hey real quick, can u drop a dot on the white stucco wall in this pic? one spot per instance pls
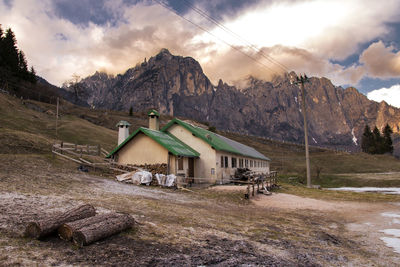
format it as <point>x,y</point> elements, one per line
<point>142,150</point>
<point>207,160</point>
<point>224,173</point>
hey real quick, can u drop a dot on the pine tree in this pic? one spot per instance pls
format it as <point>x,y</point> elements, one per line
<point>378,147</point>
<point>32,75</point>
<point>367,140</point>
<point>23,66</point>
<point>387,139</point>
<point>1,46</point>
<point>10,51</point>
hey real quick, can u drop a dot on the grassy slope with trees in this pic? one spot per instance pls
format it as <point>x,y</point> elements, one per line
<point>28,126</point>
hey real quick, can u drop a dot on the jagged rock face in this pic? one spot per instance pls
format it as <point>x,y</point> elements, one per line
<point>177,86</point>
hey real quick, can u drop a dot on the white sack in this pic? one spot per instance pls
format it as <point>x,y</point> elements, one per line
<point>142,177</point>
<point>170,181</point>
<point>160,179</point>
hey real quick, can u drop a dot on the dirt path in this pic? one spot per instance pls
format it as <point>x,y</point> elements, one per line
<point>374,224</point>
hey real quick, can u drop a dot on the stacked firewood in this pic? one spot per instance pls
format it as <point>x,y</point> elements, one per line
<point>155,168</point>
<point>81,225</point>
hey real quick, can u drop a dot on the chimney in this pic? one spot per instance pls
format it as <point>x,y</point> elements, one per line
<point>153,120</point>
<point>123,131</point>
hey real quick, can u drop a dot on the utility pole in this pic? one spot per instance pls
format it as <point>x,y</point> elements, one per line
<point>301,81</point>
<point>57,117</point>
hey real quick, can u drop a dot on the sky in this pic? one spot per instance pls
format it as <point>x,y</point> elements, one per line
<point>352,42</point>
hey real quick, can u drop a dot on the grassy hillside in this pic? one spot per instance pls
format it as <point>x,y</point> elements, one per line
<point>29,126</point>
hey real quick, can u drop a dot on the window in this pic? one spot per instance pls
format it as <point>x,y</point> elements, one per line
<point>180,163</point>
<point>226,162</point>
<point>212,171</point>
<point>234,163</point>
<point>240,163</point>
<point>246,162</point>
<point>251,164</point>
<point>222,161</point>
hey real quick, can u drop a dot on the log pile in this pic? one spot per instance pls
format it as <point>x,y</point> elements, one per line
<point>80,225</point>
<point>44,227</point>
<point>155,168</point>
<point>104,228</point>
<point>66,230</point>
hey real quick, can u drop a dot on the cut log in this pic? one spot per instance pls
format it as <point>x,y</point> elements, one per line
<point>41,228</point>
<point>67,229</point>
<point>103,229</point>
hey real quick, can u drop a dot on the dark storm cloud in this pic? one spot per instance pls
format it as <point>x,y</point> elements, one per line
<point>85,11</point>
<point>98,12</point>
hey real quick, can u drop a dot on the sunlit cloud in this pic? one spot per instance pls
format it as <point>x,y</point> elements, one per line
<point>381,61</point>
<point>389,95</point>
<point>306,36</point>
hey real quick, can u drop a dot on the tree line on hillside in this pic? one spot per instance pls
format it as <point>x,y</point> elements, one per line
<point>375,142</point>
<point>12,59</point>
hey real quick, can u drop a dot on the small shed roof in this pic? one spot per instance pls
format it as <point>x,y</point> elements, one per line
<point>170,142</point>
<point>123,123</point>
<point>217,141</point>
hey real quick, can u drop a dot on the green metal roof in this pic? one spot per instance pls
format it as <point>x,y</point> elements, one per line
<point>153,112</point>
<point>217,141</point>
<point>170,142</point>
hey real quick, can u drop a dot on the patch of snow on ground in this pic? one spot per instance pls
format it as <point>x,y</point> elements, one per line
<point>384,190</point>
<point>354,137</point>
<point>393,232</point>
<point>295,99</point>
<point>392,242</point>
<point>391,215</point>
<point>315,141</point>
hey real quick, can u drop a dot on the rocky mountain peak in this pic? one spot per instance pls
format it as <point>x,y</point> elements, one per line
<point>177,86</point>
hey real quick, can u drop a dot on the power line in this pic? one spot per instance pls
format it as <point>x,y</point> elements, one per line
<point>225,42</point>
<point>226,29</point>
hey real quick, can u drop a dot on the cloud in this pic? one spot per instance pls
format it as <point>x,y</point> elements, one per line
<point>330,29</point>
<point>233,66</point>
<point>59,48</point>
<point>304,35</point>
<point>389,95</point>
<point>381,61</point>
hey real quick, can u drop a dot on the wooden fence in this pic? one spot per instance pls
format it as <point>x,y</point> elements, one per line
<point>260,184</point>
<point>75,153</point>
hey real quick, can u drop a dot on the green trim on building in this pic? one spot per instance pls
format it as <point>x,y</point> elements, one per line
<point>218,142</point>
<point>168,141</point>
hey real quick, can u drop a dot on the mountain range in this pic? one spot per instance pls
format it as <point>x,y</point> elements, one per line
<point>177,86</point>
